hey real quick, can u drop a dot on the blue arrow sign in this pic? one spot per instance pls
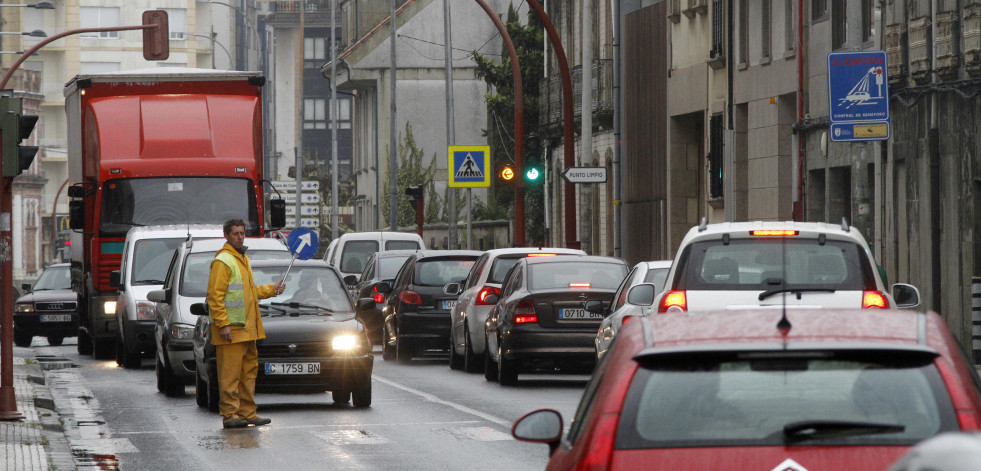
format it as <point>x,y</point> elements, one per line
<point>303,243</point>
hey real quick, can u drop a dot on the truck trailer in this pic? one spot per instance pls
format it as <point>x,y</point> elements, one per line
<point>152,147</point>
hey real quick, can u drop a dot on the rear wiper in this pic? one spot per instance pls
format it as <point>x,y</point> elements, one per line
<point>812,429</point>
<point>771,292</point>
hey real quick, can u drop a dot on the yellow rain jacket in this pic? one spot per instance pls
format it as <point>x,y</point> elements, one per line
<point>243,330</point>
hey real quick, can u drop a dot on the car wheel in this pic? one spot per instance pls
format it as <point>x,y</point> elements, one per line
<point>22,340</point>
<point>456,361</point>
<point>103,349</point>
<point>403,352</point>
<point>161,379</point>
<point>471,364</point>
<point>201,390</point>
<point>362,396</point>
<point>55,340</point>
<point>340,396</point>
<point>84,343</point>
<point>388,353</point>
<point>173,386</point>
<point>507,370</point>
<point>214,396</point>
<point>490,367</point>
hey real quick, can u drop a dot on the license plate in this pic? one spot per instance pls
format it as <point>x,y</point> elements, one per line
<point>449,304</point>
<point>56,318</point>
<point>293,368</point>
<point>578,314</point>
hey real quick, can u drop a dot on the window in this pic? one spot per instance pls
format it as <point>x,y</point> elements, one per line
<point>314,114</point>
<point>314,49</point>
<point>99,17</point>
<point>177,22</point>
<point>788,25</point>
<point>343,118</point>
<point>868,25</point>
<point>716,169</point>
<point>718,29</point>
<point>765,27</point>
<point>744,32</point>
<point>819,9</point>
<point>838,26</point>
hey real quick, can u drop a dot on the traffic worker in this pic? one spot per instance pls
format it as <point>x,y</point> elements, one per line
<point>233,300</point>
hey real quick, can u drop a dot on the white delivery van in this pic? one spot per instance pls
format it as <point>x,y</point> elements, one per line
<point>351,251</point>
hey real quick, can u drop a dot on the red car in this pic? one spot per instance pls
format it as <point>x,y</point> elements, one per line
<point>762,390</point>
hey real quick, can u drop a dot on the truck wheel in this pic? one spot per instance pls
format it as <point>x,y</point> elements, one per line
<point>55,340</point>
<point>121,355</point>
<point>340,396</point>
<point>103,349</point>
<point>22,340</point>
<point>84,343</point>
<point>362,396</point>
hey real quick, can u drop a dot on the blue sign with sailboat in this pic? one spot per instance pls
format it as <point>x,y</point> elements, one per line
<point>858,95</point>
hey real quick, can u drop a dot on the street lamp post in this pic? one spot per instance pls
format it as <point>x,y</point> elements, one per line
<point>212,39</point>
<point>248,25</point>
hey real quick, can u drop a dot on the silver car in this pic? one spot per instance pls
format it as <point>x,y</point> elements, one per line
<point>186,283</point>
<point>649,276</point>
<point>468,316</point>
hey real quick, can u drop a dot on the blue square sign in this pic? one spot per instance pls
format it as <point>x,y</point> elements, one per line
<point>858,95</point>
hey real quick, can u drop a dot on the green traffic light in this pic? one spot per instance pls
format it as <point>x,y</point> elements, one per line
<point>532,174</point>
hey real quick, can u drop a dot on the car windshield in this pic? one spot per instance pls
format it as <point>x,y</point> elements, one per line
<point>777,401</point>
<point>317,286</point>
<point>197,269</point>
<point>54,278</point>
<point>760,264</point>
<point>562,274</point>
<point>440,271</point>
<point>356,253</point>
<point>151,259</point>
<point>388,267</point>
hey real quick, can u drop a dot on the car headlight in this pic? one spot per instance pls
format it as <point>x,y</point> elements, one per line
<point>182,331</point>
<point>344,342</point>
<point>144,311</point>
<point>24,307</point>
<point>109,308</point>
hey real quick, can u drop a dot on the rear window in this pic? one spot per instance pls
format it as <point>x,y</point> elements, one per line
<point>750,264</point>
<point>388,267</point>
<point>402,245</point>
<point>355,254</point>
<point>784,401</point>
<point>438,272</point>
<point>559,275</point>
<point>500,268</point>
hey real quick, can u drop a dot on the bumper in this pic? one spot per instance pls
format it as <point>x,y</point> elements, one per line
<point>100,326</point>
<point>31,323</point>
<point>181,359</point>
<point>535,347</point>
<point>139,335</point>
<point>428,329</point>
<point>347,373</point>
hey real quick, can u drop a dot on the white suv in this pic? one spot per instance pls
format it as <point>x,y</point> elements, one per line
<point>758,264</point>
<point>470,311</point>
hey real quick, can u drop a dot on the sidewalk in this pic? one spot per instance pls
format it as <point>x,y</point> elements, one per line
<point>36,442</point>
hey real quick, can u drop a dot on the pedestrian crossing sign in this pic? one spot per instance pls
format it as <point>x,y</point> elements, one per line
<point>469,166</point>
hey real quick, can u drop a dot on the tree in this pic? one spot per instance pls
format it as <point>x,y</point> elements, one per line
<point>411,173</point>
<point>528,40</point>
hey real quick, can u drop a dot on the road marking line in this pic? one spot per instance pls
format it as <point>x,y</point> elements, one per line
<point>459,407</point>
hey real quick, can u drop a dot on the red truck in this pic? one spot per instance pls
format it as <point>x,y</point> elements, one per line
<point>157,146</point>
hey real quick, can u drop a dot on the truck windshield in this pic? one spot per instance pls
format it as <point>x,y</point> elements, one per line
<point>176,200</point>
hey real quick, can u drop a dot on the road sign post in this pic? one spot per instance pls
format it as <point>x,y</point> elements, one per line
<point>858,96</point>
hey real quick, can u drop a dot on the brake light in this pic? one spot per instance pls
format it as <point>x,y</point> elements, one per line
<point>482,295</point>
<point>874,299</point>
<point>600,451</point>
<point>540,254</point>
<point>624,320</point>
<point>525,308</point>
<point>379,298</point>
<point>674,300</point>
<point>532,319</point>
<point>579,285</point>
<point>772,233</point>
<point>410,297</point>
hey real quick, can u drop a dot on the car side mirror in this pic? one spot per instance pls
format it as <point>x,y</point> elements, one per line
<point>351,280</point>
<point>492,298</point>
<point>594,306</point>
<point>905,295</point>
<point>540,426</point>
<point>277,213</point>
<point>76,215</point>
<point>199,309</point>
<point>383,287</point>
<point>366,303</point>
<point>115,279</point>
<point>641,294</point>
<point>25,287</point>
<point>452,289</point>
<point>157,296</point>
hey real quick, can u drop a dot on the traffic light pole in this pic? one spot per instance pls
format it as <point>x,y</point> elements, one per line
<point>8,402</point>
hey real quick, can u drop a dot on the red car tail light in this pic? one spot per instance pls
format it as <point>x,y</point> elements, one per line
<point>484,292</point>
<point>600,451</point>
<point>525,308</point>
<point>772,233</point>
<point>410,297</point>
<point>541,254</point>
<point>526,319</point>
<point>379,298</point>
<point>874,299</point>
<point>676,298</point>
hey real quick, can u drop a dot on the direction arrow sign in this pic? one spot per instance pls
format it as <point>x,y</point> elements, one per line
<point>585,174</point>
<point>302,243</point>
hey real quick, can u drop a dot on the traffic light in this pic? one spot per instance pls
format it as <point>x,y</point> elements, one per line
<point>532,174</point>
<point>15,127</point>
<point>156,40</point>
<point>506,174</point>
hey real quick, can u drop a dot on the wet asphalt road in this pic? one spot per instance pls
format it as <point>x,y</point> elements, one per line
<point>424,416</point>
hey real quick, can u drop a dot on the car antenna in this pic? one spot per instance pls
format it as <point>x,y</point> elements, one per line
<point>844,225</point>
<point>784,325</point>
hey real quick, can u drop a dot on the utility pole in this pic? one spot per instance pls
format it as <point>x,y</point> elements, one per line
<point>393,154</point>
<point>450,137</point>
<point>333,121</point>
<point>586,154</point>
<point>298,119</point>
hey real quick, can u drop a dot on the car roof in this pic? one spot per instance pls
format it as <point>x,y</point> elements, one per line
<point>253,243</point>
<point>578,259</point>
<point>805,230</point>
<point>652,264</point>
<point>394,253</point>
<point>58,265</point>
<point>492,253</point>
<point>285,262</point>
<point>174,230</point>
<point>384,235</point>
<point>757,329</point>
<point>421,254</point>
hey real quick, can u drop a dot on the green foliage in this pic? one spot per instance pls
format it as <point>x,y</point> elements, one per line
<point>528,40</point>
<point>411,172</point>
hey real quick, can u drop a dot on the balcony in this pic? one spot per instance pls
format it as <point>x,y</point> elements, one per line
<point>602,93</point>
<point>287,14</point>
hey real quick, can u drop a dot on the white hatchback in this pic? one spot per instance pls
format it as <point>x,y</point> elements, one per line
<point>771,264</point>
